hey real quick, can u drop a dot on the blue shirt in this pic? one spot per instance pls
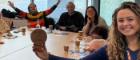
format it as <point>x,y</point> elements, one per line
<point>133,54</point>
<point>101,54</point>
<point>53,57</point>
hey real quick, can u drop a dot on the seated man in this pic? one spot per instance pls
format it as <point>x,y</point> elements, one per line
<point>39,38</point>
<point>71,20</point>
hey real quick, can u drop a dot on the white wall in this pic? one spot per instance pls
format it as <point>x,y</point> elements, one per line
<point>23,4</point>
<point>107,8</point>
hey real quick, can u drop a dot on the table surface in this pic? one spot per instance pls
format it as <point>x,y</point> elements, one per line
<point>20,48</point>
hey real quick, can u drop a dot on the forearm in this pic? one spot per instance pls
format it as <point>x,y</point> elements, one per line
<point>53,7</point>
<point>20,12</point>
<point>86,29</point>
<point>17,10</point>
<point>49,11</point>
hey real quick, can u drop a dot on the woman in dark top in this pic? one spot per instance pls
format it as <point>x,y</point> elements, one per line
<point>92,20</point>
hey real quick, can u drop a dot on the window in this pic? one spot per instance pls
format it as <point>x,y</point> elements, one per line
<point>107,8</point>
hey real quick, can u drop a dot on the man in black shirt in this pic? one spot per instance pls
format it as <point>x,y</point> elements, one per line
<point>71,20</point>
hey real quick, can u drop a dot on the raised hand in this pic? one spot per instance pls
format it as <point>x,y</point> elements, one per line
<point>58,2</point>
<point>39,45</point>
<point>11,4</point>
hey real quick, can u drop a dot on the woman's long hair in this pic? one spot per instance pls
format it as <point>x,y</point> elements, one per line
<point>117,43</point>
<point>95,17</point>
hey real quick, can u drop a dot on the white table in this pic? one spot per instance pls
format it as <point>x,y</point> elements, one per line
<point>20,48</point>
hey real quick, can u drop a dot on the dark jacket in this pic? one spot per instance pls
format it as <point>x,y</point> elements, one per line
<point>76,20</point>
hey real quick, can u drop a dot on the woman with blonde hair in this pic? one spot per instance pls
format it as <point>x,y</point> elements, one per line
<point>124,39</point>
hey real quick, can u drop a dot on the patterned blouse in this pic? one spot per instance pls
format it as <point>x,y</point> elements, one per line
<point>4,25</point>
